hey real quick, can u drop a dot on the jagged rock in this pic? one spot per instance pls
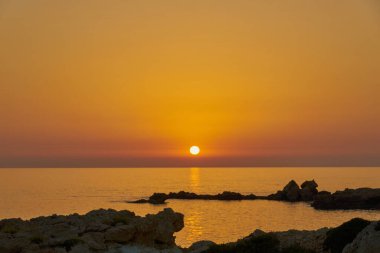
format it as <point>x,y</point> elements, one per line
<point>362,198</point>
<point>292,191</point>
<point>121,234</point>
<point>97,231</point>
<point>143,249</point>
<point>95,240</point>
<point>200,246</point>
<point>311,240</point>
<point>309,184</point>
<point>367,241</point>
<point>308,190</point>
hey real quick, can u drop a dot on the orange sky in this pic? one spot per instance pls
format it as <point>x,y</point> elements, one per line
<point>136,83</point>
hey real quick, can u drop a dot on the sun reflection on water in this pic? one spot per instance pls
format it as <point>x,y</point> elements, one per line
<point>194,180</point>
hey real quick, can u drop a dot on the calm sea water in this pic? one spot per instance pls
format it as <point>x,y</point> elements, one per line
<point>28,193</point>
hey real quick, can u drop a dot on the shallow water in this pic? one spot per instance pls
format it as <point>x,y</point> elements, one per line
<point>28,193</point>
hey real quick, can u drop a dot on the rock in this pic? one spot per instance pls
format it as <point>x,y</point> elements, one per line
<point>158,198</point>
<point>97,231</point>
<point>200,246</point>
<point>367,241</point>
<point>157,230</point>
<point>226,195</point>
<point>257,232</point>
<point>279,195</point>
<point>80,248</point>
<point>292,191</point>
<point>308,190</point>
<point>94,240</point>
<point>310,185</point>
<point>362,198</point>
<point>120,234</point>
<point>143,249</point>
<point>311,240</point>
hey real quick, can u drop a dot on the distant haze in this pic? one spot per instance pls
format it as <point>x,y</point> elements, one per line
<point>136,83</point>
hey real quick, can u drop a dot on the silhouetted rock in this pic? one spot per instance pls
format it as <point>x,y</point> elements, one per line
<point>292,191</point>
<point>308,190</point>
<point>279,195</point>
<point>362,198</point>
<point>160,198</point>
<point>97,231</point>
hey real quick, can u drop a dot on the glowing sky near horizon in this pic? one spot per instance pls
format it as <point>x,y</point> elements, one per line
<point>137,80</point>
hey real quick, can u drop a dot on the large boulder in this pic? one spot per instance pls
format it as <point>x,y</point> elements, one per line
<point>308,190</point>
<point>361,198</point>
<point>292,191</point>
<point>367,241</point>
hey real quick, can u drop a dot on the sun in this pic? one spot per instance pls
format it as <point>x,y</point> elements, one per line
<point>194,150</point>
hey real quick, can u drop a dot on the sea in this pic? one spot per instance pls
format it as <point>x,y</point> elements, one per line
<point>32,192</point>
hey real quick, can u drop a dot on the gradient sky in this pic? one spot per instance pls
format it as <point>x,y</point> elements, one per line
<point>136,83</point>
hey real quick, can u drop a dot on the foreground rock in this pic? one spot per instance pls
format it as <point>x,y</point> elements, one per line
<point>367,241</point>
<point>97,231</point>
<point>354,236</point>
<point>362,198</point>
<point>110,231</point>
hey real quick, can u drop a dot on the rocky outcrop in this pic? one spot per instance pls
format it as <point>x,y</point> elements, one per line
<point>308,240</point>
<point>362,198</point>
<point>292,192</point>
<point>160,198</point>
<point>367,241</point>
<point>97,231</point>
<point>308,190</point>
<point>200,246</point>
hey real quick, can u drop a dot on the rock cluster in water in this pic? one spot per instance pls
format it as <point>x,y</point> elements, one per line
<point>97,231</point>
<point>160,198</point>
<point>362,198</point>
<point>292,192</point>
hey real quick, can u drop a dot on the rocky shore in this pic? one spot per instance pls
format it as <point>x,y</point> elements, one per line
<point>362,198</point>
<point>110,231</point>
<point>97,231</point>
